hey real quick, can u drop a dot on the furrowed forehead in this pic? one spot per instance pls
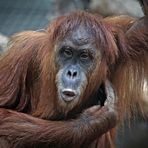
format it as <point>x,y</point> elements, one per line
<point>81,36</point>
<point>70,23</point>
<point>92,29</point>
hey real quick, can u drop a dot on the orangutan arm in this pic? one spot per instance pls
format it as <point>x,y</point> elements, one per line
<point>23,129</point>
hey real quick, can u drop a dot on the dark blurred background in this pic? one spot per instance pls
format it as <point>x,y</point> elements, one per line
<point>20,15</point>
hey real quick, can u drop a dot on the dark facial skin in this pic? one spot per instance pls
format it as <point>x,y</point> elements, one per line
<point>76,58</point>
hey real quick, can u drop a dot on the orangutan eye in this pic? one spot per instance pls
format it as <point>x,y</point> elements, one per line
<point>84,56</point>
<point>67,51</point>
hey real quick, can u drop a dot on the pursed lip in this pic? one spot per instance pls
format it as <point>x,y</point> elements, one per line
<point>68,94</point>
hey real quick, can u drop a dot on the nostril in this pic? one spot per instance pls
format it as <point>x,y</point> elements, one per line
<point>75,74</point>
<point>72,74</point>
<point>69,73</point>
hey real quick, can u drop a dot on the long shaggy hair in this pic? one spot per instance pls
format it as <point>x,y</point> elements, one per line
<point>28,69</point>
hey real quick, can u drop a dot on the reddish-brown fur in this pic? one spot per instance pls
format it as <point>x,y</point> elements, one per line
<point>27,82</point>
<point>27,79</point>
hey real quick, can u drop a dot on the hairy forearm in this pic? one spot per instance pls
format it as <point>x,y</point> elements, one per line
<point>22,129</point>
